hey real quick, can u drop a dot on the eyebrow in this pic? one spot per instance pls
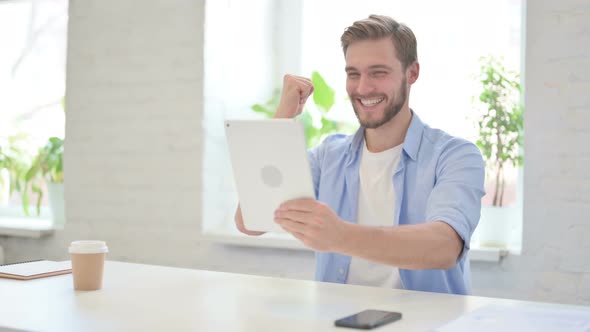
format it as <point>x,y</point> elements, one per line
<point>350,68</point>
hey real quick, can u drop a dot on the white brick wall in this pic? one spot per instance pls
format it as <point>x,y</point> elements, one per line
<point>134,149</point>
<point>555,264</point>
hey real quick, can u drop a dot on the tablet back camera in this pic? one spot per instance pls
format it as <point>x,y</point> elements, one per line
<point>271,176</point>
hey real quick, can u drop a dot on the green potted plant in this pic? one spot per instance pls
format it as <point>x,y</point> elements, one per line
<point>47,168</point>
<point>13,165</point>
<point>500,124</point>
<point>316,122</point>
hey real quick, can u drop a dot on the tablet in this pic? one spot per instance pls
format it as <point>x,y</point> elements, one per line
<point>270,166</point>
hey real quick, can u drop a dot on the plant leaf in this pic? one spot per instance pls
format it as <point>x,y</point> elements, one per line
<point>262,110</point>
<point>323,94</point>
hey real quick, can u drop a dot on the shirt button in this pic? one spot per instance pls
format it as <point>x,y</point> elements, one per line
<point>341,270</point>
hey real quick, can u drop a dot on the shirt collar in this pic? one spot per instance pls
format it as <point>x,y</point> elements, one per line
<point>414,136</point>
<point>411,141</point>
<point>355,145</point>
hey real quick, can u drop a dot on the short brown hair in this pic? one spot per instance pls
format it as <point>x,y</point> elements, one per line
<point>379,26</point>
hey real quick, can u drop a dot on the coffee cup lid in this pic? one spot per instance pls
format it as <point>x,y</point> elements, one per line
<point>88,247</point>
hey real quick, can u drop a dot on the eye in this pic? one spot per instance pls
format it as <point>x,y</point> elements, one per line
<point>352,75</point>
<point>379,73</point>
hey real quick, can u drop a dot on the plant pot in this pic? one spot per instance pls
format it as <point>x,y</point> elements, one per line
<point>56,203</point>
<point>497,225</point>
<point>4,187</point>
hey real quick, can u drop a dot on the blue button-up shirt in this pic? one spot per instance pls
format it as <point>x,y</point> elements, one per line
<point>439,178</point>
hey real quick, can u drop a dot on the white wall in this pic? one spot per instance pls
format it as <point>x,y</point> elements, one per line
<point>134,150</point>
<point>555,265</point>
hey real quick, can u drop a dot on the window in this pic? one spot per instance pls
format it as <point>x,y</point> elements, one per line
<point>32,81</point>
<point>248,48</point>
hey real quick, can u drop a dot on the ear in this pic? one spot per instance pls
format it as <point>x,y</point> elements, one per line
<point>413,72</point>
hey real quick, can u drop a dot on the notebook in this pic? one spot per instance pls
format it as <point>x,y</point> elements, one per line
<point>34,269</point>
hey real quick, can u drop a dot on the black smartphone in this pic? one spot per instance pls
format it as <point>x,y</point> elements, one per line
<point>368,319</point>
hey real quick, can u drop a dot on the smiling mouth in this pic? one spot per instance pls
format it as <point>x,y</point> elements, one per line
<point>369,102</point>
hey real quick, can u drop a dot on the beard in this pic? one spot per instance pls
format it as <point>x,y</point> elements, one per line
<point>391,109</point>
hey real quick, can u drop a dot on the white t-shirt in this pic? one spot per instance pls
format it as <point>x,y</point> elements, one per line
<point>376,207</point>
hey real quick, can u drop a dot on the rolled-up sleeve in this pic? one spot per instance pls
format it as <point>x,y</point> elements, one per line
<point>459,187</point>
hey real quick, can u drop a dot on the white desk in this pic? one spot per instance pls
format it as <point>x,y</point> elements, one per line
<point>139,297</point>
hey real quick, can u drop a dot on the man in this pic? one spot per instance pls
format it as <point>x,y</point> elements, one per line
<point>397,202</point>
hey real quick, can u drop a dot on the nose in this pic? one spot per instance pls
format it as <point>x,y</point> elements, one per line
<point>365,86</point>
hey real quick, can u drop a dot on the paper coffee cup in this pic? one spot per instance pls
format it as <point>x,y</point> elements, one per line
<point>87,263</point>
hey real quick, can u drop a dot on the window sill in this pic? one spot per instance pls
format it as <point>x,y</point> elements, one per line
<point>34,228</point>
<point>269,240</point>
<point>478,253</point>
<point>285,241</point>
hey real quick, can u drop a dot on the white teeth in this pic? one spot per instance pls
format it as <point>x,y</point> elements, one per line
<point>371,102</point>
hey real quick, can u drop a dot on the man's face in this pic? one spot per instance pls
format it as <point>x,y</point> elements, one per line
<point>376,81</point>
